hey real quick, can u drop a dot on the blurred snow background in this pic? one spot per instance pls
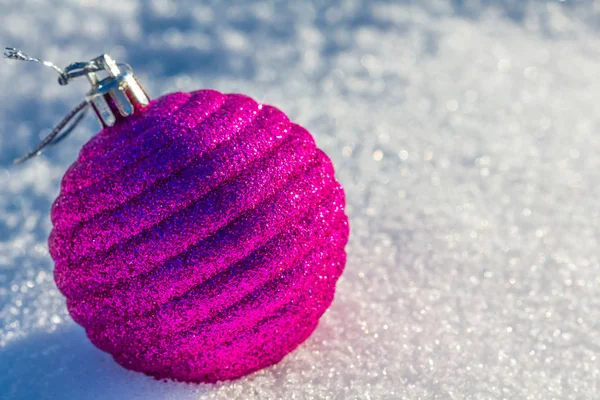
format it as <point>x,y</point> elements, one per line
<point>466,136</point>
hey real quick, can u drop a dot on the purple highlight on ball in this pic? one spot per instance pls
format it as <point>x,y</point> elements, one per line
<point>201,239</point>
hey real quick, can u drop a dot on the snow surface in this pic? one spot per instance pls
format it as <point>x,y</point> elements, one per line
<point>465,134</point>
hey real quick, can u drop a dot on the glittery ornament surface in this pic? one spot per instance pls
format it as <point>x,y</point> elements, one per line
<point>210,244</point>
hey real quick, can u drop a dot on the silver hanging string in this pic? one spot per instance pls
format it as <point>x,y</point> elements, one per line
<point>74,70</point>
<point>57,133</point>
<point>113,98</point>
<point>68,124</point>
<point>14,54</point>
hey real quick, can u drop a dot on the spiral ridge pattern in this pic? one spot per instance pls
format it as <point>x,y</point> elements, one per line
<point>200,239</point>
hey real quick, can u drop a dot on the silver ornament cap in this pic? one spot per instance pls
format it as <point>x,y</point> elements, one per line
<point>116,96</point>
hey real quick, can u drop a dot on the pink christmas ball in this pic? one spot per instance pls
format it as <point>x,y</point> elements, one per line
<point>200,239</point>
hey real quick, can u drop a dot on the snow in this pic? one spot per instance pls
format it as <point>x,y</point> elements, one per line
<point>464,132</point>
